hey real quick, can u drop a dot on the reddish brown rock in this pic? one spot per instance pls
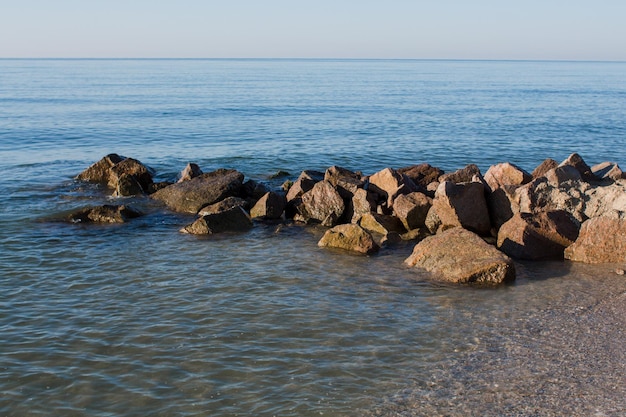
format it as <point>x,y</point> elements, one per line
<point>502,204</point>
<point>543,235</point>
<point>190,171</point>
<point>349,237</point>
<point>304,183</point>
<point>422,174</point>
<point>544,167</point>
<point>322,203</point>
<point>235,219</point>
<point>105,214</point>
<point>412,209</point>
<point>580,165</point>
<point>542,195</point>
<point>190,196</point>
<point>389,184</point>
<point>381,223</point>
<point>463,175</point>
<point>462,205</point>
<point>506,174</point>
<point>460,256</point>
<point>601,240</point>
<point>345,181</point>
<point>608,170</point>
<point>270,206</point>
<point>562,174</point>
<point>363,202</point>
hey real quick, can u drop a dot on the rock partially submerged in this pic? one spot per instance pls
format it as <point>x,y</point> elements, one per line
<point>601,239</point>
<point>108,213</point>
<point>349,237</point>
<point>460,256</point>
<point>234,219</point>
<point>192,195</point>
<point>126,176</point>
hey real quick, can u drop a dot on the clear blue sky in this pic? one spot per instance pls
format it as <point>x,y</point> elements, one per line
<point>449,29</point>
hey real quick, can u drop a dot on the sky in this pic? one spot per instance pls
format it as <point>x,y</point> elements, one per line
<point>402,29</point>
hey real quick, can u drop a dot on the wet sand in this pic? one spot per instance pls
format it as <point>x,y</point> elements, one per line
<point>568,360</point>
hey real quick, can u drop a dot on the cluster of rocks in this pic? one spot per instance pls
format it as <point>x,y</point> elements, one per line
<point>468,225</point>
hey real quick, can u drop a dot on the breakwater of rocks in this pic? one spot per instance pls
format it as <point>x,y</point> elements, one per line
<point>467,226</point>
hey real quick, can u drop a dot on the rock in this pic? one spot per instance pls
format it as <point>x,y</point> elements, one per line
<point>127,176</point>
<point>130,167</point>
<point>502,204</point>
<point>432,222</point>
<point>363,202</point>
<point>279,174</point>
<point>544,167</point>
<point>304,183</point>
<point>543,235</point>
<point>466,174</point>
<point>562,174</point>
<point>579,164</point>
<point>608,170</point>
<point>322,203</point>
<point>389,184</point>
<point>460,256</point>
<point>606,200</point>
<point>416,234</point>
<point>234,219</point>
<point>464,205</point>
<point>381,223</point>
<point>350,237</point>
<point>100,172</point>
<point>190,196</point>
<point>105,214</point>
<point>422,175</point>
<point>601,239</point>
<point>270,206</point>
<point>223,205</point>
<point>412,209</point>
<point>542,195</point>
<point>345,181</point>
<point>506,174</point>
<point>128,185</point>
<point>191,171</point>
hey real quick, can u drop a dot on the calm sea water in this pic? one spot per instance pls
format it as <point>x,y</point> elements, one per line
<point>139,319</point>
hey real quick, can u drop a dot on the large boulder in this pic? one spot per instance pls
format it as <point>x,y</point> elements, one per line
<point>412,209</point>
<point>304,183</point>
<point>362,202</point>
<point>190,196</point>
<point>350,237</point>
<point>462,205</point>
<point>345,181</point>
<point>468,173</point>
<point>543,235</point>
<point>460,256</point>
<point>605,200</point>
<point>544,195</point>
<point>608,170</point>
<point>422,175</point>
<point>126,176</point>
<point>506,174</point>
<point>270,206</point>
<point>234,219</point>
<point>381,223</point>
<point>545,166</point>
<point>581,166</point>
<point>389,184</point>
<point>322,204</point>
<point>601,239</point>
<point>105,214</point>
<point>502,203</point>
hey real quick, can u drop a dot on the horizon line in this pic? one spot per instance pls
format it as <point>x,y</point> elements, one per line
<point>303,59</point>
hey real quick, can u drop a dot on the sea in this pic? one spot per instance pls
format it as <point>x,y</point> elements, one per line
<point>139,319</point>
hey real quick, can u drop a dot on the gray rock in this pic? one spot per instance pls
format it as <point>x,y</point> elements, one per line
<point>190,171</point>
<point>234,219</point>
<point>270,206</point>
<point>105,214</point>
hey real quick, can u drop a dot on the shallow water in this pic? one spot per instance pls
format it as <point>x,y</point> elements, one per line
<point>138,319</point>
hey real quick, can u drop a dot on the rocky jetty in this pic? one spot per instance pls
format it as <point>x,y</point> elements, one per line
<point>467,226</point>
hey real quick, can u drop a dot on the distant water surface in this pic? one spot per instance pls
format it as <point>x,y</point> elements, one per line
<point>139,319</point>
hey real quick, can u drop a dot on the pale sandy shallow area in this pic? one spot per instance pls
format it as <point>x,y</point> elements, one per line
<point>568,360</point>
